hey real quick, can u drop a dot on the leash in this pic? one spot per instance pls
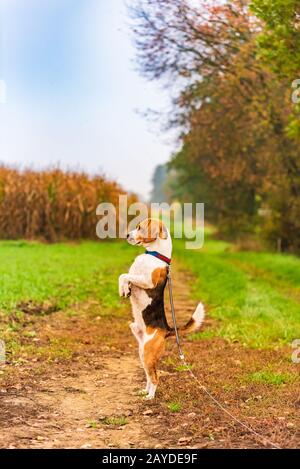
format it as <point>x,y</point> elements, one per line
<point>181,354</point>
<point>201,386</point>
<point>250,429</point>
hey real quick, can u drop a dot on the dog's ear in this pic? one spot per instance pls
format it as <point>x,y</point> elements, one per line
<point>149,230</point>
<point>163,232</point>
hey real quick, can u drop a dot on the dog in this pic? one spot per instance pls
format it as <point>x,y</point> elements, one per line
<point>145,284</point>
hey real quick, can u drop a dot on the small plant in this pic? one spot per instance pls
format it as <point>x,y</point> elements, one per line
<point>117,421</point>
<point>92,424</point>
<point>174,407</point>
<point>181,368</point>
<point>269,377</point>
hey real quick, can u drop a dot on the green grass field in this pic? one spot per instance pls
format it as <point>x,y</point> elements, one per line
<point>61,274</point>
<point>255,297</point>
<point>242,353</point>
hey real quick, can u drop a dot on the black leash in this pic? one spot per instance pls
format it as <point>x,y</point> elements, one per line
<point>181,354</point>
<point>201,386</point>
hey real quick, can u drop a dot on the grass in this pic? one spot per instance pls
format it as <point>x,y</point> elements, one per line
<point>61,274</point>
<point>92,424</point>
<point>255,297</point>
<point>41,278</point>
<point>270,378</point>
<point>116,421</point>
<point>174,407</point>
<point>183,367</point>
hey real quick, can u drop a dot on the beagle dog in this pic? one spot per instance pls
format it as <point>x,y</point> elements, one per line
<point>145,284</point>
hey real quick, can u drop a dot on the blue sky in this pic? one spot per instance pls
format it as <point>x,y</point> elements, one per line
<point>72,91</point>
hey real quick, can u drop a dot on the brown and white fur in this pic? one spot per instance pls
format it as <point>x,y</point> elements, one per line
<point>145,283</point>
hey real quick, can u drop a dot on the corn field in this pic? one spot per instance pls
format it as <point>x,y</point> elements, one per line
<point>52,205</point>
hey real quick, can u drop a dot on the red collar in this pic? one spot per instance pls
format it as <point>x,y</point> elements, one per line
<point>159,256</point>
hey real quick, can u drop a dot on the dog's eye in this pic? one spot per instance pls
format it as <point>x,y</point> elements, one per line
<point>138,228</point>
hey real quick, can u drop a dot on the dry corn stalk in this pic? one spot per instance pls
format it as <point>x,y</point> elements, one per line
<point>52,205</point>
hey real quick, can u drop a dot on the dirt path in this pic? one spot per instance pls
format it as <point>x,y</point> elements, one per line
<point>94,404</point>
<point>75,385</point>
<point>67,411</point>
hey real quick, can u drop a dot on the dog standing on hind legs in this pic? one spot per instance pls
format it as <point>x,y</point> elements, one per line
<point>145,284</point>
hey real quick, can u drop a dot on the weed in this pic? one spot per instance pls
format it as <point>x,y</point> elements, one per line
<point>269,377</point>
<point>116,421</point>
<point>174,407</point>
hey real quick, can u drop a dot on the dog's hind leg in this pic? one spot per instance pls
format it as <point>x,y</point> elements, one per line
<point>139,335</point>
<point>137,332</point>
<point>153,350</point>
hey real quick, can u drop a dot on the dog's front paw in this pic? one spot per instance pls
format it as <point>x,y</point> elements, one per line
<point>127,290</point>
<point>121,284</point>
<point>124,286</point>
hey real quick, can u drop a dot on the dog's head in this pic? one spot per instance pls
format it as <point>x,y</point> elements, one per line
<point>147,232</point>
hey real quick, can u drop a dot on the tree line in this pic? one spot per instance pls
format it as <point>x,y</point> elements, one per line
<point>232,69</point>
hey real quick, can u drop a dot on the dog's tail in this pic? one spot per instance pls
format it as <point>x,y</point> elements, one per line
<point>193,324</point>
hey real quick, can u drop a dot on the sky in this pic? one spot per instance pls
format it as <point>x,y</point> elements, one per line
<point>70,93</point>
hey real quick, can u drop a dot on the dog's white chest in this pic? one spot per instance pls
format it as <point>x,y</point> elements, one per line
<point>139,298</point>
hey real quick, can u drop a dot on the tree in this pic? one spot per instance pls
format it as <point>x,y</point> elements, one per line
<point>158,182</point>
<point>279,43</point>
<point>279,47</point>
<point>175,39</point>
<point>236,155</point>
<point>198,49</point>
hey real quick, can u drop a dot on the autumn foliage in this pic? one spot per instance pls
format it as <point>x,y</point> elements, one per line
<point>52,205</point>
<point>237,153</point>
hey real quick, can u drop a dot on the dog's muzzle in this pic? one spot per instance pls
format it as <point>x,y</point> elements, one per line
<point>131,238</point>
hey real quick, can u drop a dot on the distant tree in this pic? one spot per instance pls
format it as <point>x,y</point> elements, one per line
<point>236,154</point>
<point>279,42</point>
<point>158,181</point>
<point>199,48</point>
<point>279,47</point>
<point>175,39</point>
<point>222,153</point>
